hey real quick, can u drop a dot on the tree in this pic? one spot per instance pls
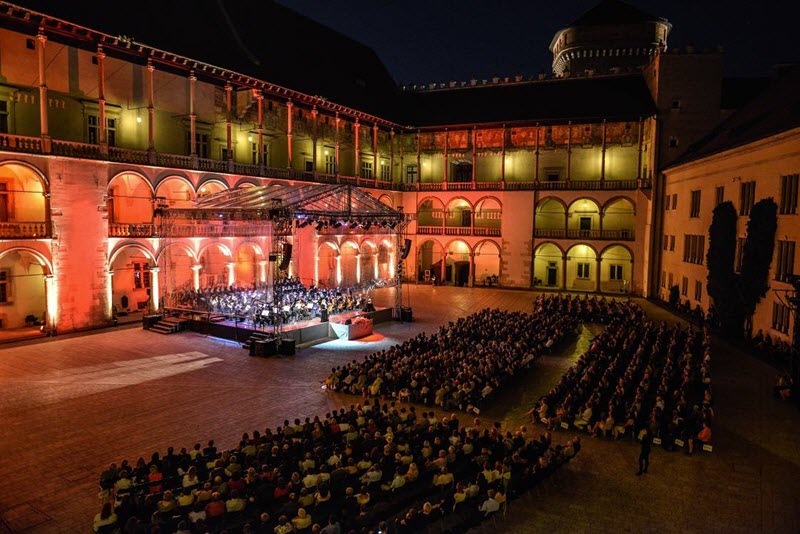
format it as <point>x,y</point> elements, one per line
<point>722,282</point>
<point>757,253</point>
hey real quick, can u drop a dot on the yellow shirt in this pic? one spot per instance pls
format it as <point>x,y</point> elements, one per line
<point>302,522</point>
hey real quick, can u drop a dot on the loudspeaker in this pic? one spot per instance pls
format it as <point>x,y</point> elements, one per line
<point>406,249</point>
<point>287,347</point>
<point>273,257</point>
<point>287,256</point>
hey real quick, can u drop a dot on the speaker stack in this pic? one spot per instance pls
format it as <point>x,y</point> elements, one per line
<point>287,257</point>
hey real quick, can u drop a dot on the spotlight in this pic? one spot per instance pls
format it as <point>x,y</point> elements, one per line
<point>337,224</point>
<point>368,225</point>
<point>319,226</point>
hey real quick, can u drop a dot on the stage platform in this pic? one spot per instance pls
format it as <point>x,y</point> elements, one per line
<point>301,332</point>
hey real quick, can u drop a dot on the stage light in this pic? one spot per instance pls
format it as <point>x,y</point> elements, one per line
<point>319,226</point>
<point>337,224</point>
<point>368,225</point>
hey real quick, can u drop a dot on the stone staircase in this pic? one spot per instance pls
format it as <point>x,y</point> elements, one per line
<point>169,325</point>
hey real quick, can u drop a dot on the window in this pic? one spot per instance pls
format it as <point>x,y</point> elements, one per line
<point>663,278</point>
<point>788,192</point>
<point>224,155</point>
<point>309,165</point>
<point>672,243</point>
<point>780,317</point>
<point>5,205</point>
<point>386,172</point>
<point>698,290</point>
<point>264,153</point>
<point>583,271</point>
<point>785,266</point>
<point>684,286</point>
<point>5,286</point>
<point>201,144</point>
<point>666,242</point>
<point>411,174</point>
<point>673,142</point>
<point>693,248</point>
<point>695,209</point>
<point>615,272</point>
<point>141,275</point>
<point>366,169</point>
<point>739,254</point>
<point>674,201</point>
<point>552,175</point>
<point>670,280</point>
<point>330,164</point>
<point>747,197</point>
<point>3,116</point>
<point>93,130</point>
<point>720,194</point>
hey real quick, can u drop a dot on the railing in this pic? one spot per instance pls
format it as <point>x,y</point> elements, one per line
<point>562,233</point>
<point>38,145</point>
<point>216,230</point>
<point>486,232</point>
<point>76,150</point>
<point>131,230</point>
<point>20,230</point>
<point>430,230</point>
<point>21,143</point>
<point>457,231</point>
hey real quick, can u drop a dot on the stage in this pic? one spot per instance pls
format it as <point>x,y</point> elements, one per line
<point>302,332</point>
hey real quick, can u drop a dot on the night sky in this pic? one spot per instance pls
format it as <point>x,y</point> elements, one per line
<point>422,41</point>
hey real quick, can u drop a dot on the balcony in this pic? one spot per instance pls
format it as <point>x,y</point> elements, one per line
<point>187,230</point>
<point>24,230</point>
<point>601,235</point>
<point>37,145</point>
<point>131,230</point>
<point>458,230</point>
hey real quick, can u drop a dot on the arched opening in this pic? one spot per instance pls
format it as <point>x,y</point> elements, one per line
<point>429,261</point>
<point>23,205</point>
<point>619,216</point>
<point>246,270</point>
<point>177,192</point>
<point>581,268</point>
<point>23,289</point>
<point>175,262</point>
<point>583,219</point>
<point>130,201</point>
<point>547,266</point>
<point>487,263</point>
<point>616,269</point>
<point>458,214</point>
<point>210,187</point>
<point>430,213</point>
<point>215,271</point>
<point>326,264</point>
<point>369,262</point>
<point>386,200</point>
<point>131,282</point>
<point>488,216</point>
<point>551,218</point>
<point>457,271</point>
<point>349,258</point>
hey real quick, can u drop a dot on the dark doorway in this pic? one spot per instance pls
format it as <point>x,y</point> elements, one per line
<point>552,274</point>
<point>458,273</point>
<point>462,172</point>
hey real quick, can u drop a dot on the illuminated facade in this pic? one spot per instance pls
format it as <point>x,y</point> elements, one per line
<point>549,183</point>
<point>755,154</point>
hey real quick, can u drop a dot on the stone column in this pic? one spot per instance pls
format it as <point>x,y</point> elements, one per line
<point>639,165</point>
<point>503,157</point>
<point>471,275</point>
<point>338,269</point>
<point>569,151</point>
<point>101,98</point>
<point>260,129</point>
<point>262,271</point>
<point>358,268</point>
<point>419,161</point>
<point>357,149</point>
<point>110,293</point>
<point>603,158</point>
<point>446,158</point>
<point>231,273</point>
<point>392,266</point>
<point>375,161</point>
<point>314,115</point>
<point>151,111</point>
<point>289,108</point>
<point>391,158</point>
<point>154,296</point>
<point>229,124</point>
<point>337,121</point>
<point>192,117</point>
<point>44,132</point>
<point>51,299</point>
<point>375,265</point>
<point>564,272</point>
<point>536,157</point>
<point>597,282</point>
<point>196,276</point>
<point>474,152</point>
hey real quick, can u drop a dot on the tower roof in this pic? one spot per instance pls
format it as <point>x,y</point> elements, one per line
<point>611,12</point>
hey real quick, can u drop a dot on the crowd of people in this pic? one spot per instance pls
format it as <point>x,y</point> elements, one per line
<point>637,375</point>
<point>463,364</point>
<point>263,304</point>
<point>364,469</point>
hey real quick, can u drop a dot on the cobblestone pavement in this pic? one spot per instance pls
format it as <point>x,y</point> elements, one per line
<point>71,406</point>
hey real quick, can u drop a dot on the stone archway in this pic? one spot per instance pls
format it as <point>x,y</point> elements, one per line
<point>25,298</point>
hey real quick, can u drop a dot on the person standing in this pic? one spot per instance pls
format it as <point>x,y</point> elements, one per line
<point>644,455</point>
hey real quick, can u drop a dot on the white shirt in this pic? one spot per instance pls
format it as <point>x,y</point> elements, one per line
<point>489,505</point>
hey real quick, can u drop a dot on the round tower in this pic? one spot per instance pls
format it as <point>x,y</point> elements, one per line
<point>611,37</point>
